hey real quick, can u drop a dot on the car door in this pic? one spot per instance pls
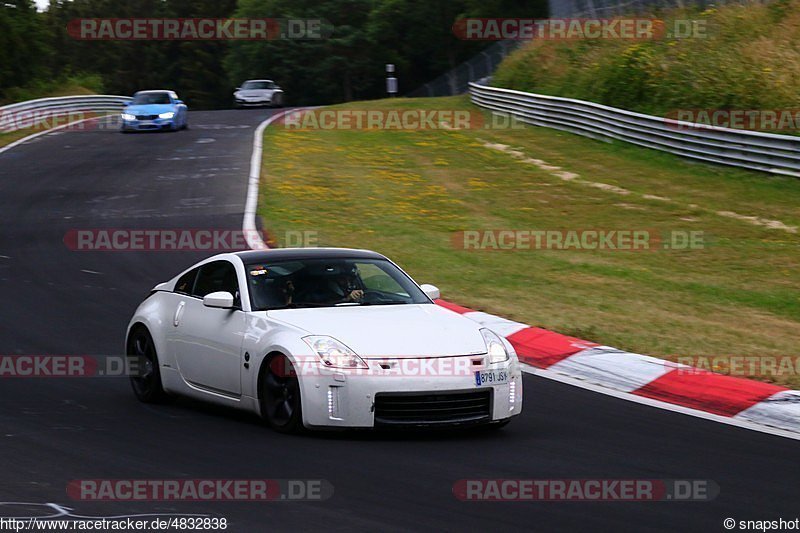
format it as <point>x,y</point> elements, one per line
<point>208,345</point>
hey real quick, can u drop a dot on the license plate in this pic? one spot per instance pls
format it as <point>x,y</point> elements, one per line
<point>490,377</point>
<point>145,122</point>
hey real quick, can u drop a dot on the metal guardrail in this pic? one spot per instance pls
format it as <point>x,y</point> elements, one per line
<point>767,152</point>
<point>33,112</point>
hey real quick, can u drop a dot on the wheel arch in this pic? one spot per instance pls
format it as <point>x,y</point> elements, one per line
<point>262,369</point>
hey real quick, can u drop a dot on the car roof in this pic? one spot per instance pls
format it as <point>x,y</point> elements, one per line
<point>294,254</point>
<point>245,81</point>
<point>153,91</point>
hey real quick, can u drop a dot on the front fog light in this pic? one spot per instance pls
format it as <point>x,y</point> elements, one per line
<point>494,346</point>
<point>333,353</point>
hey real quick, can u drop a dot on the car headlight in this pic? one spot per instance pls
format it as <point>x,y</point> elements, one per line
<point>494,346</point>
<point>128,116</point>
<point>168,114</point>
<point>333,353</point>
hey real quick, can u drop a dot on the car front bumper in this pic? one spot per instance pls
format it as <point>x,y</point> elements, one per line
<point>420,398</point>
<point>148,125</point>
<point>253,101</point>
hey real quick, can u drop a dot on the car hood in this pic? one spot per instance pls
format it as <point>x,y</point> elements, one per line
<point>401,331</point>
<point>149,109</point>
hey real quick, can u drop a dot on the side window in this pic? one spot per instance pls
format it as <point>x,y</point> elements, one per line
<point>217,276</point>
<point>185,283</point>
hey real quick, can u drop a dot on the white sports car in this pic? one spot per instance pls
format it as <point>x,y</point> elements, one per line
<point>258,93</point>
<point>320,337</point>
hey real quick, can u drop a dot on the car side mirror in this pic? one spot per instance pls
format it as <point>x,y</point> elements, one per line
<point>219,300</point>
<point>179,102</point>
<point>431,291</point>
<point>238,89</point>
<point>125,104</point>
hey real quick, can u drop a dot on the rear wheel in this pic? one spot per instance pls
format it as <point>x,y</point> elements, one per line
<point>146,375</point>
<point>280,395</point>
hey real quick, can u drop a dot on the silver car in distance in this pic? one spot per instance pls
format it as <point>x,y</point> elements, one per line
<point>258,93</point>
<point>320,338</point>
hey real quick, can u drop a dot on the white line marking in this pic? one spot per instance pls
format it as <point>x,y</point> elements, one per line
<point>64,511</point>
<point>249,228</point>
<point>91,272</point>
<point>549,374</point>
<point>44,132</point>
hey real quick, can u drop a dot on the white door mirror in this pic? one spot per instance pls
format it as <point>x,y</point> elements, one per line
<point>431,291</point>
<point>219,300</point>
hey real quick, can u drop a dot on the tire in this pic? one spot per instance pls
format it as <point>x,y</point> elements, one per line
<point>281,406</point>
<point>277,101</point>
<point>147,387</point>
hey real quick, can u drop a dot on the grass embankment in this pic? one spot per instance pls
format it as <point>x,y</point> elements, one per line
<point>405,193</point>
<point>746,57</point>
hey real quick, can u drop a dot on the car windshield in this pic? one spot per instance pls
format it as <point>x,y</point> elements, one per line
<point>329,283</point>
<point>150,98</point>
<point>250,85</point>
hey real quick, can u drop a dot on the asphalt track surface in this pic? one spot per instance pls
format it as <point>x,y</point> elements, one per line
<point>58,301</point>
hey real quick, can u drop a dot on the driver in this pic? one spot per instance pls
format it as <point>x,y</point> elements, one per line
<point>342,288</point>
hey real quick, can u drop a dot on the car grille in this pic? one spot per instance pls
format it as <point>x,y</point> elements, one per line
<point>146,117</point>
<point>432,408</point>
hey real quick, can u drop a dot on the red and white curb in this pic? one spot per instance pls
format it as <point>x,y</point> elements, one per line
<point>720,396</point>
<point>639,378</point>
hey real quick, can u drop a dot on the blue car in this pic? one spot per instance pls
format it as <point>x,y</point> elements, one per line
<point>154,110</point>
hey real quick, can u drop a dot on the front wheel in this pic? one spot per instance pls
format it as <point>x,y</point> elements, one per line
<point>146,375</point>
<point>280,396</point>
